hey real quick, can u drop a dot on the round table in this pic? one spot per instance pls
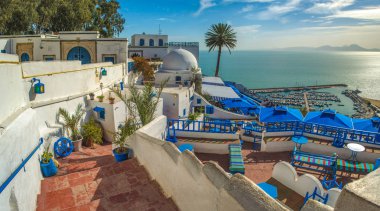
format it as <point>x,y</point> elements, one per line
<point>355,149</point>
<point>299,140</point>
<point>184,147</point>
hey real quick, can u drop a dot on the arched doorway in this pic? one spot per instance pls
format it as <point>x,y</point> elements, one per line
<point>25,57</point>
<point>79,53</point>
<point>151,42</point>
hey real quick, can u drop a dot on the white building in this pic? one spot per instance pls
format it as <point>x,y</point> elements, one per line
<point>86,46</point>
<point>156,46</point>
<point>178,71</point>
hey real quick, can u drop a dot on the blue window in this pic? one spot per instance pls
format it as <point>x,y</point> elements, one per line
<point>109,59</point>
<point>151,42</point>
<point>49,57</point>
<point>178,79</point>
<point>24,57</point>
<point>160,42</point>
<point>101,112</point>
<point>199,101</point>
<point>142,42</point>
<point>184,112</point>
<point>3,51</point>
<point>209,109</point>
<point>192,97</point>
<point>130,66</point>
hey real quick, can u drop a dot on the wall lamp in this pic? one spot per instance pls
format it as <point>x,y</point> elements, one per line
<point>39,88</point>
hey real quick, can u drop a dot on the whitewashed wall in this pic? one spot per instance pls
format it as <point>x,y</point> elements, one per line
<point>12,88</point>
<point>287,175</point>
<point>107,47</point>
<point>190,183</point>
<point>37,119</point>
<point>21,193</point>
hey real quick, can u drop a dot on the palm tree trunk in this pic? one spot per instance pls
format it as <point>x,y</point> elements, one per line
<point>218,62</point>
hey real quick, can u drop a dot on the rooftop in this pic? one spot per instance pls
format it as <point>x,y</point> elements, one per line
<point>91,180</point>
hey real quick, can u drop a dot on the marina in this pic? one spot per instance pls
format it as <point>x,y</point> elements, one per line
<point>314,98</point>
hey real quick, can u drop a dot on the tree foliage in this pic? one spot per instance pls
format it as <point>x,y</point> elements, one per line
<point>41,16</point>
<point>218,36</point>
<point>141,65</point>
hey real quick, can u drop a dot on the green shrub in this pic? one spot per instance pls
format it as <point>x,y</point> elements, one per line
<point>92,133</point>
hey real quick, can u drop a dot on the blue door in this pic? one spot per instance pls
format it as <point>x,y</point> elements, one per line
<point>79,53</point>
<point>24,57</point>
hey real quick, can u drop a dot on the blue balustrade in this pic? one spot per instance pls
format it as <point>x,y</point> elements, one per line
<point>202,126</point>
<point>21,166</point>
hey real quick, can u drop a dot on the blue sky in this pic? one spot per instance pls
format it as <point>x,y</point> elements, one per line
<point>260,24</point>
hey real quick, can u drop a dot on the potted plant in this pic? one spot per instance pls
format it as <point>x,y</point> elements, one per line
<point>92,95</point>
<point>48,167</point>
<point>92,133</point>
<point>111,99</point>
<point>100,98</point>
<point>120,139</point>
<point>71,124</point>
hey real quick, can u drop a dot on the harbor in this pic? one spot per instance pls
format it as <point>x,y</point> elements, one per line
<point>314,98</point>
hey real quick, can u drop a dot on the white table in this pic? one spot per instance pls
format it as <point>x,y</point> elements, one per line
<point>355,149</point>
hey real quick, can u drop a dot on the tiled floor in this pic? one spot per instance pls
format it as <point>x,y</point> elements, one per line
<point>259,167</point>
<point>92,180</point>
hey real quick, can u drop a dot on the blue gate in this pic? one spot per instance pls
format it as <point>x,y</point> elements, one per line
<point>24,57</point>
<point>79,53</point>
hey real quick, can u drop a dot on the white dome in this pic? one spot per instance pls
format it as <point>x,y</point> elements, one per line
<point>179,59</point>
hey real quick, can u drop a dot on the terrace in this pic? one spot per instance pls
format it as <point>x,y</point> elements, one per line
<point>259,168</point>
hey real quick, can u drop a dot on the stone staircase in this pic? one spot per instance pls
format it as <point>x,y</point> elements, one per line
<point>92,180</point>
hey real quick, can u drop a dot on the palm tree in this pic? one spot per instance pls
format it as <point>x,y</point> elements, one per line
<point>71,122</point>
<point>142,103</point>
<point>220,35</point>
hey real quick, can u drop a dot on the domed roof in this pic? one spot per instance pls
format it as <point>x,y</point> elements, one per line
<point>179,59</point>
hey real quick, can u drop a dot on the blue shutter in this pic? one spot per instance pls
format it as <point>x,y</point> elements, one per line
<point>184,112</point>
<point>199,101</point>
<point>101,112</point>
<point>209,109</point>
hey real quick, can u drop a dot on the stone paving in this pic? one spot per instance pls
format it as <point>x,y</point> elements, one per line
<point>92,180</point>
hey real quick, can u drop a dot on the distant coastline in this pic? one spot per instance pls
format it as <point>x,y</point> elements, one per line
<point>352,47</point>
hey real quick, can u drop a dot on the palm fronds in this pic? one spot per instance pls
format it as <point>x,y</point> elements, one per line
<point>218,36</point>
<point>71,122</point>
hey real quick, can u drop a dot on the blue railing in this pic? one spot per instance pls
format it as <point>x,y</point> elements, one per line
<point>202,126</point>
<point>22,165</point>
<point>320,130</point>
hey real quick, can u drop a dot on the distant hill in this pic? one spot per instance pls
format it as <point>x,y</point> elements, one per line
<point>353,47</point>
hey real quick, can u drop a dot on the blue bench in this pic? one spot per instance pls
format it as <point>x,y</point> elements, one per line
<point>328,163</point>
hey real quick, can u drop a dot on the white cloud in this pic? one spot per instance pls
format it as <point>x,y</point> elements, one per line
<point>315,37</point>
<point>247,1</point>
<point>247,8</point>
<point>165,19</point>
<point>367,13</point>
<point>204,4</point>
<point>329,7</point>
<point>276,10</point>
<point>247,30</point>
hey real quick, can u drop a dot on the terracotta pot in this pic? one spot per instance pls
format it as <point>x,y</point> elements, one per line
<point>78,145</point>
<point>112,100</point>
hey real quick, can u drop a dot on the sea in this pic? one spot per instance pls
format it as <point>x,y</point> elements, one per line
<point>267,69</point>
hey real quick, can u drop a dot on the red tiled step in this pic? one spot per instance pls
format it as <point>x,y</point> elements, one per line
<point>92,180</point>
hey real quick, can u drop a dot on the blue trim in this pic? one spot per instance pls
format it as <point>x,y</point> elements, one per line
<point>98,109</point>
<point>198,126</point>
<point>18,169</point>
